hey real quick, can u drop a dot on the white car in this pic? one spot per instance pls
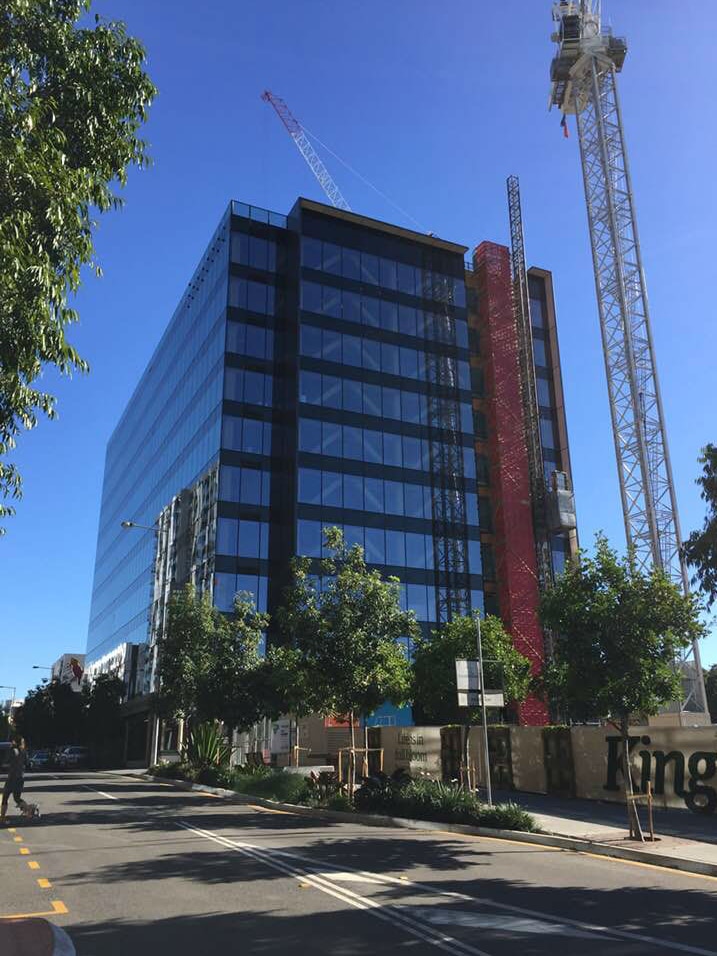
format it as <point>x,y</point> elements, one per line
<point>73,757</point>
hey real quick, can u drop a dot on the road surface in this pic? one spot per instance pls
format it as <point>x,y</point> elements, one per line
<point>128,867</point>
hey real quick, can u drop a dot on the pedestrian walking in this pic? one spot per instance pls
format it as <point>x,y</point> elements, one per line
<point>15,782</point>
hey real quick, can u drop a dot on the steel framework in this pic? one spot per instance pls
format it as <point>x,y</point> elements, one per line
<point>584,84</point>
<point>297,133</point>
<point>526,360</point>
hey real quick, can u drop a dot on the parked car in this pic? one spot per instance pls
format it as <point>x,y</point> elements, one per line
<point>39,760</point>
<point>73,757</point>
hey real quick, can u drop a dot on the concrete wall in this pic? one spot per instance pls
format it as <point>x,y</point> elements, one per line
<point>526,748</point>
<point>415,749</point>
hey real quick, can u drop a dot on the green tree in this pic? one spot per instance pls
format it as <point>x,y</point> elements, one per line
<point>700,549</point>
<point>209,663</point>
<point>711,690</point>
<point>343,656</point>
<point>103,719</point>
<point>72,99</point>
<point>435,698</point>
<point>622,631</point>
<point>52,714</point>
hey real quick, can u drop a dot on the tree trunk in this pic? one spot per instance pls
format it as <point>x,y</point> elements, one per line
<point>352,758</point>
<point>465,776</point>
<point>633,819</point>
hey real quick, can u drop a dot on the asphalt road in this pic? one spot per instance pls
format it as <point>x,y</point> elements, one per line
<point>136,869</point>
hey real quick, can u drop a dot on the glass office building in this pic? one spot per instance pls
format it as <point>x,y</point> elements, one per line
<point>324,363</point>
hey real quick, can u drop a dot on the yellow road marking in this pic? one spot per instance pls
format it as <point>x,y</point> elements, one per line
<point>11,830</point>
<point>44,883</point>
<point>17,839</point>
<point>24,851</point>
<point>58,909</point>
<point>33,864</point>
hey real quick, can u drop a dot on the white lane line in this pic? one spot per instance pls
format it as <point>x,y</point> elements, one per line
<point>591,928</point>
<point>387,913</point>
<point>110,796</point>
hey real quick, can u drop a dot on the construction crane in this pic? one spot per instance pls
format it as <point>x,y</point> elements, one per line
<point>297,133</point>
<point>584,84</point>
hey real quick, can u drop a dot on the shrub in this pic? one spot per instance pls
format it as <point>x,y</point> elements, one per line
<point>275,785</point>
<point>339,801</point>
<point>207,747</point>
<point>444,803</point>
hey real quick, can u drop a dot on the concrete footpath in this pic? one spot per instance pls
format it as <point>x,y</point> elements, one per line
<point>569,824</point>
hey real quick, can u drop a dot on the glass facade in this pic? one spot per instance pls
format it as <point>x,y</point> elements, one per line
<point>167,437</point>
<point>323,363</point>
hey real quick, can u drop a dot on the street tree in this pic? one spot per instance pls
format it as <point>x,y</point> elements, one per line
<point>73,96</point>
<point>52,714</point>
<point>700,549</point>
<point>711,691</point>
<point>210,666</point>
<point>343,629</point>
<point>621,633</point>
<point>102,700</point>
<point>435,698</point>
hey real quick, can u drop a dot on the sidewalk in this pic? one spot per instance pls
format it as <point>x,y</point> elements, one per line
<point>681,835</point>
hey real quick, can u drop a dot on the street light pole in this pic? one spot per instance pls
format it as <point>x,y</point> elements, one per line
<point>481,682</point>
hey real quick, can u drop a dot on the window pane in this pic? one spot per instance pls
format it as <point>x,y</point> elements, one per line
<point>406,278</point>
<point>252,436</point>
<point>391,403</point>
<point>240,247</point>
<point>256,297</point>
<point>539,352</point>
<point>331,347</point>
<point>409,363</point>
<point>231,432</point>
<point>310,436</point>
<point>227,529</point>
<point>466,418</point>
<point>353,443</point>
<point>373,488</point>
<point>254,388</point>
<point>369,268</point>
<point>389,316</point>
<point>470,460</point>
<point>251,482</point>
<point>234,384</point>
<point>416,600</point>
<point>414,501</point>
<point>537,316</point>
<point>331,439</point>
<point>387,274</point>
<point>407,319</point>
<point>464,375</point>
<point>353,393</point>
<point>409,408</point>
<point>310,341</point>
<point>353,535</point>
<point>309,539</point>
<point>256,341</point>
<point>394,497</point>
<point>375,546</point>
<point>229,483</point>
<point>351,306</point>
<point>544,396</point>
<point>475,563</point>
<point>353,352</point>
<point>547,433</point>
<point>372,355</point>
<point>311,296</point>
<point>310,388</point>
<point>331,490</point>
<point>331,391</point>
<point>411,452</point>
<point>472,508</point>
<point>389,358</point>
<point>237,293</point>
<point>372,445</point>
<point>353,492</point>
<point>258,253</point>
<point>332,302</point>
<point>309,486</point>
<point>224,590</point>
<point>372,399</point>
<point>396,548</point>
<point>415,550</point>
<point>461,333</point>
<point>351,264</point>
<point>310,253</point>
<point>370,310</point>
<point>332,258</point>
<point>236,337</point>
<point>392,454</point>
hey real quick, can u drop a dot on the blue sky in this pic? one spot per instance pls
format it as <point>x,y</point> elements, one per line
<point>435,104</point>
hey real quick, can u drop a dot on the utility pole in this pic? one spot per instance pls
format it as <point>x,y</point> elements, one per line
<point>584,84</point>
<point>481,682</point>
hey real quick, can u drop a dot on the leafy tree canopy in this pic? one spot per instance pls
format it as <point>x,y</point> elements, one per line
<point>52,714</point>
<point>701,547</point>
<point>621,632</point>
<point>210,667</point>
<point>434,667</point>
<point>344,655</point>
<point>72,100</point>
<point>711,690</point>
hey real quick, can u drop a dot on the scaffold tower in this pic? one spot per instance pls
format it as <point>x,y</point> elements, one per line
<point>584,84</point>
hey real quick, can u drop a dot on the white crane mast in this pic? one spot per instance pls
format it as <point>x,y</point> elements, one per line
<point>584,83</point>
